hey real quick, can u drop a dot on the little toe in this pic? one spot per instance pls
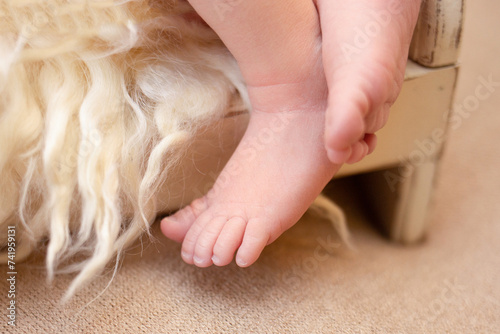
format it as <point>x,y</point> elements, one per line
<point>254,241</point>
<point>228,241</point>
<point>205,244</point>
<point>173,229</point>
<point>176,226</point>
<point>371,141</point>
<point>359,151</point>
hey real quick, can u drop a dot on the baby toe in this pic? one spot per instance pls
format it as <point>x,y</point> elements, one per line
<point>206,240</point>
<point>176,226</point>
<point>189,243</point>
<point>359,151</point>
<point>228,241</point>
<point>254,241</point>
<point>338,156</point>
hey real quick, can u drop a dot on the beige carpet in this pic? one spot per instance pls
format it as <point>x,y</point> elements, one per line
<point>305,283</point>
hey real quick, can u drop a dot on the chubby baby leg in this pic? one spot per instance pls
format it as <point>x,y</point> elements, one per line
<point>278,47</point>
<point>365,49</point>
<point>281,164</point>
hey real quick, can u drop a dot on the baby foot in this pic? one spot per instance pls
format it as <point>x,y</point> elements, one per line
<point>280,166</point>
<point>276,172</point>
<point>365,48</point>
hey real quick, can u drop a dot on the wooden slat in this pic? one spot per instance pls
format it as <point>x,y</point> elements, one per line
<point>438,32</point>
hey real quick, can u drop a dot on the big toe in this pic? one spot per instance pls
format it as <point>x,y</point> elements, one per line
<point>254,241</point>
<point>344,128</point>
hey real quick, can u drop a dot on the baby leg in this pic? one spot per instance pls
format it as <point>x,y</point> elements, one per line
<point>365,48</point>
<point>281,165</point>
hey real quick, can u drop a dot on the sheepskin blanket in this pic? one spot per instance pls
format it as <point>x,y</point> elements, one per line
<point>98,98</point>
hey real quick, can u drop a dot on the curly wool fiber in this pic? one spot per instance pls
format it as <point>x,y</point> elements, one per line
<point>97,100</point>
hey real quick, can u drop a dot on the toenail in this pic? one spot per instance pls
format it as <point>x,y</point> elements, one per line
<point>170,219</point>
<point>198,260</point>
<point>185,255</point>
<point>240,262</point>
<point>215,260</point>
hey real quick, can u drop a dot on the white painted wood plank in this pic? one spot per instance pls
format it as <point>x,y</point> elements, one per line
<point>437,36</point>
